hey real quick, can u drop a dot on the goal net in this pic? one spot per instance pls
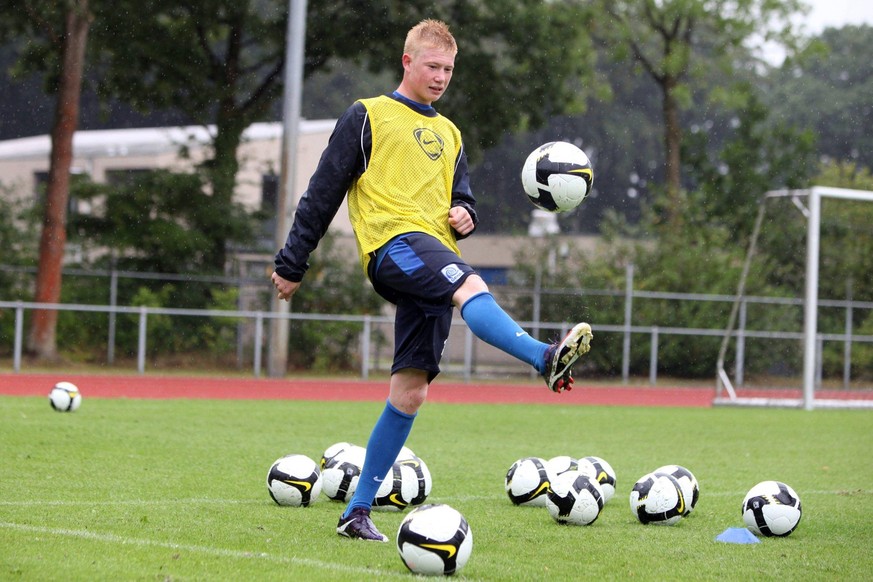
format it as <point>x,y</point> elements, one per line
<point>805,352</point>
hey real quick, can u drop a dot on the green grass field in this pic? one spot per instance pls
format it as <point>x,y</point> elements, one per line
<point>127,489</point>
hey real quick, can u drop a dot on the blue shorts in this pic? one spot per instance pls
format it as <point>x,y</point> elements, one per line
<point>419,274</point>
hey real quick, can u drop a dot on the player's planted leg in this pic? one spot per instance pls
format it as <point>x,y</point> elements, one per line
<point>385,442</point>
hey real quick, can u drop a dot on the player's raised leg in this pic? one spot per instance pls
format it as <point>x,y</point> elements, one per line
<point>490,323</point>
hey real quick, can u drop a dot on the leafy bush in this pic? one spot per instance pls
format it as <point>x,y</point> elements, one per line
<point>333,284</point>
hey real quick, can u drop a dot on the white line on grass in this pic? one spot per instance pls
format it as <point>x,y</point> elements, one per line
<point>196,501</point>
<point>221,552</point>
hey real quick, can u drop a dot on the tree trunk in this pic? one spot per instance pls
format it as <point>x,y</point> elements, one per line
<point>672,145</point>
<point>42,341</point>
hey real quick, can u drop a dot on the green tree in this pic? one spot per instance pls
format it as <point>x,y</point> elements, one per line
<point>752,154</point>
<point>675,41</point>
<point>159,222</point>
<point>333,285</point>
<point>827,88</point>
<point>18,228</point>
<point>856,265</point>
<point>219,62</point>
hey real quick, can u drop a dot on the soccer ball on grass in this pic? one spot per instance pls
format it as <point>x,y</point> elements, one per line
<point>657,498</point>
<point>331,452</point>
<point>599,469</point>
<point>557,176</point>
<point>771,508</point>
<point>65,397</point>
<point>434,540</point>
<point>527,481</point>
<point>690,487</point>
<point>557,466</point>
<point>408,483</point>
<point>294,481</point>
<point>341,473</point>
<point>574,499</point>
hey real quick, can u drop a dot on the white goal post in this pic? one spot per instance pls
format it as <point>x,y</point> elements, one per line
<point>725,392</point>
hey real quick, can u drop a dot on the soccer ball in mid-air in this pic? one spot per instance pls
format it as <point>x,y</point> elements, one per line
<point>408,483</point>
<point>687,481</point>
<point>574,499</point>
<point>527,482</point>
<point>657,499</point>
<point>434,540</point>
<point>294,480</point>
<point>65,397</point>
<point>602,471</point>
<point>341,473</point>
<point>771,508</point>
<point>557,176</point>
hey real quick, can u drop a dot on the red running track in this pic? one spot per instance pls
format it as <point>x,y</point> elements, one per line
<point>132,386</point>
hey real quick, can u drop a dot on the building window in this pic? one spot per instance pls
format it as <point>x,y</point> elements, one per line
<point>125,176</point>
<point>269,193</point>
<point>269,207</point>
<point>40,185</point>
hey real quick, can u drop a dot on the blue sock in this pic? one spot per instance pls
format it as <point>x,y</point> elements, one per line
<point>385,442</point>
<point>491,324</point>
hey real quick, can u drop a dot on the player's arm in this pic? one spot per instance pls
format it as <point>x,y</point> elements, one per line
<point>462,215</point>
<point>341,162</point>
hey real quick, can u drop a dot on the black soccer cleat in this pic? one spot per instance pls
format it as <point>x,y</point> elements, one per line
<point>358,525</point>
<point>561,356</point>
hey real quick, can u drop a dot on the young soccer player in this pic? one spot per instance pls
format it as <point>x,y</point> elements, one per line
<point>404,169</point>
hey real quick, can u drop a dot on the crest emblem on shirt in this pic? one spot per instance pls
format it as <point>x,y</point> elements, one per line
<point>430,142</point>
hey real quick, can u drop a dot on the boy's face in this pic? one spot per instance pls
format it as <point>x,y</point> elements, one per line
<point>427,73</point>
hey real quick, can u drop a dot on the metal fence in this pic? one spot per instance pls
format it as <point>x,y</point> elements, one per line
<point>469,359</point>
<point>466,356</point>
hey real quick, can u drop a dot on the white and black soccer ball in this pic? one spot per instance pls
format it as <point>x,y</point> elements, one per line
<point>341,474</point>
<point>657,499</point>
<point>690,487</point>
<point>434,540</point>
<point>772,508</point>
<point>404,454</point>
<point>294,481</point>
<point>422,476</point>
<point>599,469</point>
<point>527,482</point>
<point>331,452</point>
<point>408,483</point>
<point>557,176</point>
<point>574,499</point>
<point>65,397</point>
<point>557,466</point>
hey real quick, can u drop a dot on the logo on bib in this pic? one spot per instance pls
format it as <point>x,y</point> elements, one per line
<point>452,273</point>
<point>430,142</point>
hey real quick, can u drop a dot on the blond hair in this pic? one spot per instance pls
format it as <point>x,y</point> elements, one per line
<point>430,34</point>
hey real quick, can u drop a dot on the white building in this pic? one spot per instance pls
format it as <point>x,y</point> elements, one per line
<point>24,162</point>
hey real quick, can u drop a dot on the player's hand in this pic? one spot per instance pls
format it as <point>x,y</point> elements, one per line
<point>285,288</point>
<point>460,220</point>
